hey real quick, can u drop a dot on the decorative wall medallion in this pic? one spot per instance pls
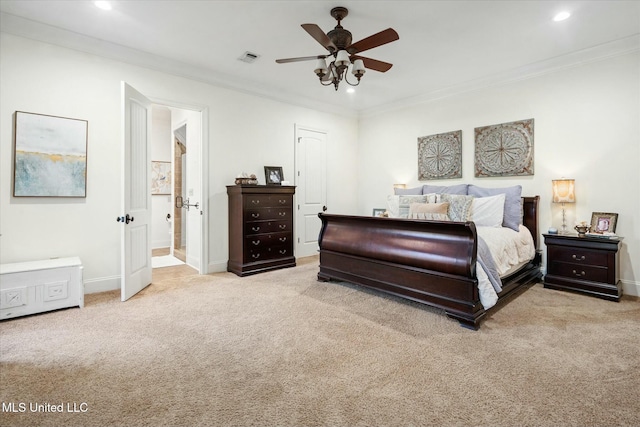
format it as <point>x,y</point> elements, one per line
<point>440,156</point>
<point>505,149</point>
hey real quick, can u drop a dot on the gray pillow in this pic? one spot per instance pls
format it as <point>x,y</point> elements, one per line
<point>460,189</point>
<point>416,191</point>
<point>512,202</point>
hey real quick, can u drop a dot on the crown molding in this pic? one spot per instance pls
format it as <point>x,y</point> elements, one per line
<point>600,52</point>
<point>34,30</point>
<point>29,29</point>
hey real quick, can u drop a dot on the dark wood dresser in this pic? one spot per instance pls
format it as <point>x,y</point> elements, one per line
<point>260,228</point>
<point>583,264</point>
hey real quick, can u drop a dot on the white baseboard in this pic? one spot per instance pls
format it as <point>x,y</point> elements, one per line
<point>217,267</point>
<point>102,284</point>
<point>630,288</point>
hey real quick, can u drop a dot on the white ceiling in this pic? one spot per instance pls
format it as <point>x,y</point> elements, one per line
<point>445,46</point>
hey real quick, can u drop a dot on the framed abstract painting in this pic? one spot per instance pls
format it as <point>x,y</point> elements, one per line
<point>50,156</point>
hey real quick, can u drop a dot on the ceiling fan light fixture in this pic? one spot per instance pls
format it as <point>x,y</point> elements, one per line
<point>358,69</point>
<point>321,67</point>
<point>341,52</point>
<point>342,59</point>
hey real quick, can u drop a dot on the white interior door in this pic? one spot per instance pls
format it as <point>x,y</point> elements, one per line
<point>311,188</point>
<point>136,193</point>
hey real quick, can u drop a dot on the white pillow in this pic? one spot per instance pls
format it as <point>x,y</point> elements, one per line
<point>488,211</point>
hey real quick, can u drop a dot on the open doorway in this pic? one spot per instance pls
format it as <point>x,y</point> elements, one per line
<point>176,208</point>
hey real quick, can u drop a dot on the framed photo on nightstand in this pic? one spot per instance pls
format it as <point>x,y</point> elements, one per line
<point>603,222</point>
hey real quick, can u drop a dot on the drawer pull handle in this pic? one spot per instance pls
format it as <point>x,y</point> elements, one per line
<point>255,256</point>
<point>283,239</point>
<point>283,251</point>
<point>282,226</point>
<point>282,213</point>
<point>255,202</point>
<point>582,258</point>
<point>282,202</point>
<point>582,273</point>
<point>255,242</point>
<point>255,215</point>
<point>255,228</point>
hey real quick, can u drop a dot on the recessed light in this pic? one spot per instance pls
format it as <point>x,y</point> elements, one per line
<point>561,16</point>
<point>351,90</point>
<point>104,5</point>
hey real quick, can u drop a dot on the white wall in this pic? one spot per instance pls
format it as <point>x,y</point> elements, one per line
<point>161,142</point>
<point>245,133</point>
<point>587,127</point>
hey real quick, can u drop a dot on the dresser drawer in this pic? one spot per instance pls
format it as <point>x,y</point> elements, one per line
<point>269,246</point>
<point>266,213</point>
<point>267,201</point>
<point>577,255</point>
<point>261,227</point>
<point>578,271</point>
<point>261,240</point>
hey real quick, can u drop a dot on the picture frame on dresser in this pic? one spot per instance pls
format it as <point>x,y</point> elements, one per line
<point>602,222</point>
<point>273,175</point>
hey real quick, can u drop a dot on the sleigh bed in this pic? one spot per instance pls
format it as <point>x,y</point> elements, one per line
<point>427,261</point>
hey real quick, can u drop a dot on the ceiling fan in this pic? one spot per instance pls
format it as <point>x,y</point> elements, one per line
<point>343,52</point>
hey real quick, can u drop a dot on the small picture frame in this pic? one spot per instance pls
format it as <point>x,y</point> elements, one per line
<point>603,222</point>
<point>273,175</point>
<point>377,212</point>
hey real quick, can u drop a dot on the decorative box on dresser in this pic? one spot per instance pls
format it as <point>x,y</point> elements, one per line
<point>583,264</point>
<point>260,228</point>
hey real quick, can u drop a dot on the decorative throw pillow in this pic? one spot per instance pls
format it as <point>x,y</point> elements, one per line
<point>433,211</point>
<point>460,189</point>
<point>398,206</point>
<point>488,211</point>
<point>407,191</point>
<point>459,206</point>
<point>512,203</point>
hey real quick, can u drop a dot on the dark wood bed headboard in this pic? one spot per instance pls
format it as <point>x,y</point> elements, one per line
<point>530,217</point>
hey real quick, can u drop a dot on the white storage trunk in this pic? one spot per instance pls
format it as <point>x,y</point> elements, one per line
<point>38,286</point>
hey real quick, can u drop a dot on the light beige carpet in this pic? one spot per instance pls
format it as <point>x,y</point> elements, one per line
<point>281,349</point>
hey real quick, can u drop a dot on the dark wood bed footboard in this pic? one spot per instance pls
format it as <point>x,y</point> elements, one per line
<point>430,262</point>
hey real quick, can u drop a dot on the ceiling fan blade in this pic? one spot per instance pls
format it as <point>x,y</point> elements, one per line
<point>317,33</point>
<point>373,64</point>
<point>302,58</point>
<point>383,37</point>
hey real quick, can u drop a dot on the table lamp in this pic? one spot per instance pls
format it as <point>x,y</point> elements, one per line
<point>563,192</point>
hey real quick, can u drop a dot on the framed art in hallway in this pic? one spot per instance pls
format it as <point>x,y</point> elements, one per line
<point>160,177</point>
<point>50,156</point>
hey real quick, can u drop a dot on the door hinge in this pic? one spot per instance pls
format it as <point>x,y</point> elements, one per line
<point>298,173</point>
<point>298,240</point>
<point>298,207</point>
<point>299,139</point>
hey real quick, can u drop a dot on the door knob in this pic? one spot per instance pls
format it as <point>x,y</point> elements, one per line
<point>324,209</point>
<point>126,219</point>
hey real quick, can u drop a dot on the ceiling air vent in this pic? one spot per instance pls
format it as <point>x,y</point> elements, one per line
<point>249,57</point>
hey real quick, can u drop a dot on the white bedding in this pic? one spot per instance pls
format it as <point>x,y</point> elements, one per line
<point>510,250</point>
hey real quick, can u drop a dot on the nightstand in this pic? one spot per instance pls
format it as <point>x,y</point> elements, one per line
<point>587,265</point>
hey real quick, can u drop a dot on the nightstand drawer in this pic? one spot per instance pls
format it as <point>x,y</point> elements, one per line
<point>577,271</point>
<point>577,255</point>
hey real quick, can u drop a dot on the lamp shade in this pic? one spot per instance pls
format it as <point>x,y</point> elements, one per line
<point>358,67</point>
<point>342,58</point>
<point>321,66</point>
<point>563,191</point>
